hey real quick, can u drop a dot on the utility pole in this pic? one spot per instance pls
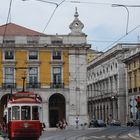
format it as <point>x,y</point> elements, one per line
<point>24,77</point>
<point>23,83</point>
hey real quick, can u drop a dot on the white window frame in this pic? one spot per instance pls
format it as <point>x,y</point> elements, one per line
<point>35,53</point>
<point>30,69</point>
<point>9,74</point>
<point>55,52</point>
<point>4,55</point>
<point>57,66</point>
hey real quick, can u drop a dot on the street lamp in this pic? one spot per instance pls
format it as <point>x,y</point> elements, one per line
<point>119,5</point>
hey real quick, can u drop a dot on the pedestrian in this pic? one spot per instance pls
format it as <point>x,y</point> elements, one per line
<point>59,125</point>
<point>64,124</point>
<point>43,126</point>
<point>77,121</point>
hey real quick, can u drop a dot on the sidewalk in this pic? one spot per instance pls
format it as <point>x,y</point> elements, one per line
<point>134,135</point>
<point>1,138</point>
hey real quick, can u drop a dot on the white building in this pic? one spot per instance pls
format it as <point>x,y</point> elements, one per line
<point>107,85</point>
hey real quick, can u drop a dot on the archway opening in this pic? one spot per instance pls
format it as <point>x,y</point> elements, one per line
<point>56,109</point>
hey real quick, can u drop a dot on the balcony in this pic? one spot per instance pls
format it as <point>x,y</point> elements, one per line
<point>8,85</point>
<point>56,85</point>
<point>33,85</point>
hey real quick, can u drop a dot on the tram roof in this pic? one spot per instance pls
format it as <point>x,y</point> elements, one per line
<point>25,97</point>
<point>25,100</point>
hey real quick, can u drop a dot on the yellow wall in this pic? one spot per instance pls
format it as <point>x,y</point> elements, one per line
<point>45,67</point>
<point>133,70</point>
<point>21,59</point>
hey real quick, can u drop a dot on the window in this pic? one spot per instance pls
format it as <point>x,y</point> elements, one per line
<point>107,69</point>
<point>130,80</point>
<point>32,40</point>
<point>9,76</point>
<point>129,66</point>
<point>25,113</point>
<point>134,64</point>
<point>9,55</point>
<point>56,55</point>
<point>9,41</point>
<point>33,55</point>
<point>135,79</point>
<point>15,113</point>
<point>33,75</point>
<point>56,75</point>
<point>35,113</point>
<point>56,42</point>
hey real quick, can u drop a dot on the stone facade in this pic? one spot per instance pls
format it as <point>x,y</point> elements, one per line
<point>132,62</point>
<point>107,85</point>
<point>63,92</point>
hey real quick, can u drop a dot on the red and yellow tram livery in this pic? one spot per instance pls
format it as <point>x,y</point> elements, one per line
<point>23,116</point>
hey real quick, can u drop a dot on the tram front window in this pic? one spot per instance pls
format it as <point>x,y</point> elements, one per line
<point>25,113</point>
<point>15,113</point>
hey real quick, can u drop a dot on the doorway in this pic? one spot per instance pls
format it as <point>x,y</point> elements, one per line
<point>56,109</point>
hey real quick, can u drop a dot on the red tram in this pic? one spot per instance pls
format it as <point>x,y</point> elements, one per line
<point>23,115</point>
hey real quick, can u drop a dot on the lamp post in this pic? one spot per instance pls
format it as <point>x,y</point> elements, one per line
<point>119,5</point>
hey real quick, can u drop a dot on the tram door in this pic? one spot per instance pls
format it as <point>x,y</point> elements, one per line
<point>56,109</point>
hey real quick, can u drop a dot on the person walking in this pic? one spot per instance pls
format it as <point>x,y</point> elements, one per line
<point>77,121</point>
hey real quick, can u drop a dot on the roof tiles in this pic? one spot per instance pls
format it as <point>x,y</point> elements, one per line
<point>12,29</point>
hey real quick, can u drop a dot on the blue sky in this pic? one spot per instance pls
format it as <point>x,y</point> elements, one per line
<point>104,24</point>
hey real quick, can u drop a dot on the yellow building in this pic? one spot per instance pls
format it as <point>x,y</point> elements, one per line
<point>92,54</point>
<point>132,61</point>
<point>54,66</point>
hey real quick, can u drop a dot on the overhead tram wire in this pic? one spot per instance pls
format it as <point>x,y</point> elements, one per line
<point>57,5</point>
<point>50,2</point>
<point>98,3</point>
<point>121,37</point>
<point>87,2</point>
<point>9,11</point>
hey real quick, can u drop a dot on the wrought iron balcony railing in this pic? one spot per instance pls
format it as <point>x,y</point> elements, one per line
<point>8,85</point>
<point>33,85</point>
<point>56,85</point>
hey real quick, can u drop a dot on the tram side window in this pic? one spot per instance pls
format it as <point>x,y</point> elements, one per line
<point>25,113</point>
<point>9,114</point>
<point>15,113</point>
<point>35,113</point>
